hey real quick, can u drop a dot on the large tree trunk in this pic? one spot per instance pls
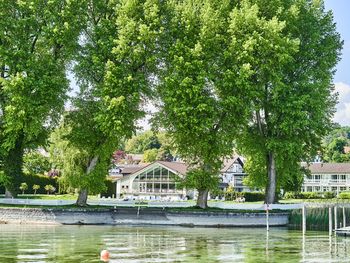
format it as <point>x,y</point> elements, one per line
<point>270,197</point>
<point>12,166</point>
<point>82,197</point>
<point>202,199</point>
<point>83,193</point>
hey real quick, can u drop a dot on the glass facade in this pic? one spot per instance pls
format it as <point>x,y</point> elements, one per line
<point>155,180</point>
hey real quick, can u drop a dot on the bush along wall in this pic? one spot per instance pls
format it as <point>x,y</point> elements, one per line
<point>110,189</point>
<point>248,196</point>
<point>41,180</point>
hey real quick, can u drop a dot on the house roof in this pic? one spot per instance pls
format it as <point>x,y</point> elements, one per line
<point>229,162</point>
<point>132,169</point>
<point>328,168</point>
<point>178,167</point>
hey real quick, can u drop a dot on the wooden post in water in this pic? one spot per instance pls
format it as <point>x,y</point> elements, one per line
<point>344,217</point>
<point>303,212</point>
<point>335,217</point>
<point>267,217</point>
<point>330,220</point>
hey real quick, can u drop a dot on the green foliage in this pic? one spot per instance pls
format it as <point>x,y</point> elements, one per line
<point>329,195</point>
<point>310,195</point>
<point>35,163</point>
<point>334,143</point>
<point>23,187</point>
<point>141,142</point>
<point>112,68</point>
<point>37,42</point>
<point>200,179</point>
<point>49,188</point>
<point>200,106</point>
<point>150,156</point>
<point>253,196</point>
<point>293,100</point>
<point>40,180</point>
<point>36,187</point>
<point>344,195</point>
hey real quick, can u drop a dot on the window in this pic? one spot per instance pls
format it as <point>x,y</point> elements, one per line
<point>342,177</point>
<point>334,177</point>
<point>317,189</point>
<point>317,177</point>
<point>342,188</point>
<point>309,189</point>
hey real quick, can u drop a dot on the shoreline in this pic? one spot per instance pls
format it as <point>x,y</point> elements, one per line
<point>138,216</point>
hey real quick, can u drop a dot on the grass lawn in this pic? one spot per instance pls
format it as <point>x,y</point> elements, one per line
<point>51,197</point>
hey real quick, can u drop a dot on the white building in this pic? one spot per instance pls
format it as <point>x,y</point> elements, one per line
<point>158,180</point>
<point>232,174</point>
<point>327,177</point>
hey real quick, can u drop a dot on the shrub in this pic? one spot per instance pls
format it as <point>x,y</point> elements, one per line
<point>40,180</point>
<point>36,187</point>
<point>253,196</point>
<point>310,195</point>
<point>110,189</point>
<point>49,188</point>
<point>23,187</point>
<point>329,195</point>
<point>290,195</point>
<point>344,195</point>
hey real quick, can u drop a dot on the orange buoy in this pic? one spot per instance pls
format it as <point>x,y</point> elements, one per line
<point>104,255</point>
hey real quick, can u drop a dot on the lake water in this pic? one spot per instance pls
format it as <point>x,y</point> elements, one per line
<point>20,243</point>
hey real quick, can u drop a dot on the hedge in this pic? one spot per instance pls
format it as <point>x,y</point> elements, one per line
<point>344,195</point>
<point>110,190</point>
<point>310,195</point>
<point>35,179</point>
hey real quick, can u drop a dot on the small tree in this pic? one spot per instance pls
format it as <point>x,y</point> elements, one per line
<point>36,187</point>
<point>23,187</point>
<point>49,188</point>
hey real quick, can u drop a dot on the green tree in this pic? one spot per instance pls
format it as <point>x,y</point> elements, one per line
<point>23,187</point>
<point>49,188</point>
<point>35,163</point>
<point>201,108</point>
<point>112,70</point>
<point>150,156</point>
<point>36,187</point>
<point>36,41</point>
<point>141,142</point>
<point>289,49</point>
<point>334,145</point>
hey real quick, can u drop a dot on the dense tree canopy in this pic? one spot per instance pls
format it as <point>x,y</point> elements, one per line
<point>336,145</point>
<point>36,41</point>
<point>201,108</point>
<point>291,49</point>
<point>111,68</point>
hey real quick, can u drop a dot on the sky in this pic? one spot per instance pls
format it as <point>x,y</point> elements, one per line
<point>340,9</point>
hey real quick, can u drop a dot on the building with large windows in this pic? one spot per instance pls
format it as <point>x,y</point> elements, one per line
<point>155,181</point>
<point>158,180</point>
<point>327,177</point>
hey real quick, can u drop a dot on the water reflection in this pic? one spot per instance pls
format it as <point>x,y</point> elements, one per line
<point>167,244</point>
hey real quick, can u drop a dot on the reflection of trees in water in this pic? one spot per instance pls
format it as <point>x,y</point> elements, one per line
<point>164,244</point>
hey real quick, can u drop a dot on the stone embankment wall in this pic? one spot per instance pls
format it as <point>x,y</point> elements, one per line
<point>135,216</point>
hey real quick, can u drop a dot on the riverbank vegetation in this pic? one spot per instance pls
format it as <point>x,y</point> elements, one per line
<point>246,74</point>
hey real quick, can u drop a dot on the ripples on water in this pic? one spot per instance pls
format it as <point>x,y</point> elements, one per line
<point>60,244</point>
